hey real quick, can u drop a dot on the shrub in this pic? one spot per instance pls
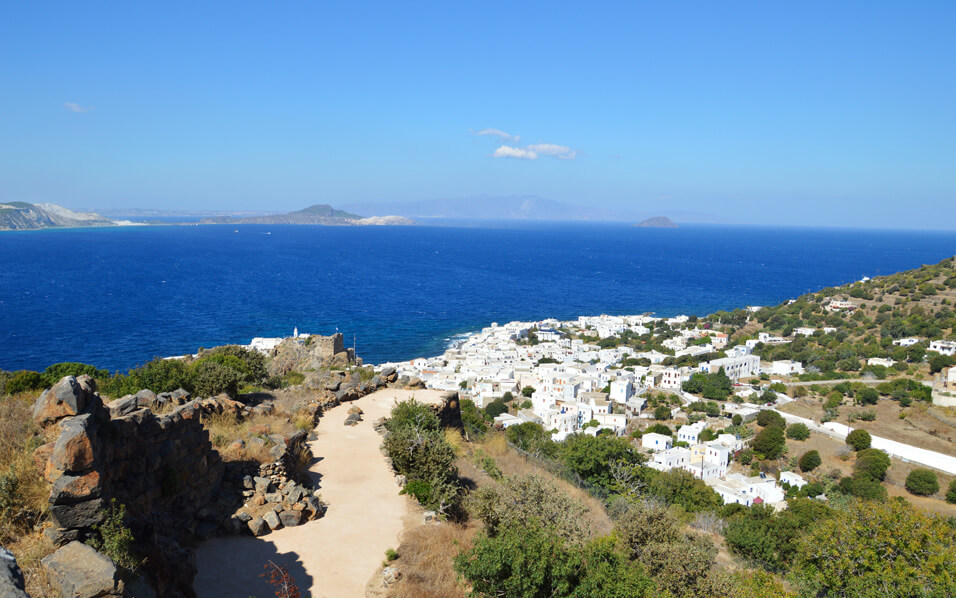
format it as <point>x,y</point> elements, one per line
<point>211,377</point>
<point>737,420</point>
<point>922,482</point>
<point>746,456</point>
<point>527,435</point>
<point>798,432</point>
<point>681,488</point>
<point>519,500</point>
<point>863,486</point>
<point>810,461</point>
<point>495,408</point>
<point>951,493</point>
<point>115,540</point>
<point>862,552</point>
<point>859,439</point>
<point>872,463</point>
<point>768,417</point>
<point>662,412</point>
<point>769,442</point>
<point>24,381</point>
<point>53,373</point>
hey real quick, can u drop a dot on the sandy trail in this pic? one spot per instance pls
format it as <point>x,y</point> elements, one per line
<point>337,554</point>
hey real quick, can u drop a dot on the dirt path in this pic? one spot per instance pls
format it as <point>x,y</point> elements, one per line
<point>336,555</point>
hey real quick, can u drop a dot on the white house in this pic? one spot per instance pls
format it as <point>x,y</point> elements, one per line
<point>671,378</point>
<point>740,489</point>
<point>794,479</point>
<point>906,342</point>
<point>690,432</point>
<point>883,361</point>
<point>943,347</point>
<point>786,367</point>
<point>671,458</point>
<point>804,331</point>
<point>657,442</point>
<point>837,305</point>
<point>717,453</point>
<point>506,420</point>
<point>734,367</point>
<point>621,391</point>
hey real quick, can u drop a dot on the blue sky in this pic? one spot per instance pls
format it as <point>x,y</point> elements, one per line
<point>830,113</point>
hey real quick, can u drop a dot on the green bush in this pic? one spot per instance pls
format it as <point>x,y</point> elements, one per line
<point>768,417</point>
<point>495,408</point>
<point>528,435</point>
<point>863,486</point>
<point>922,482</point>
<point>211,377</point>
<point>872,463</point>
<point>951,493</point>
<point>769,442</point>
<point>23,381</point>
<point>798,432</point>
<point>55,372</point>
<point>810,461</point>
<point>859,439</point>
<point>681,488</point>
<point>114,538</point>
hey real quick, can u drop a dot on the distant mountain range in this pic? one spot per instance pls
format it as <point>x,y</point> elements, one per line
<point>318,214</point>
<point>657,222</point>
<point>19,215</point>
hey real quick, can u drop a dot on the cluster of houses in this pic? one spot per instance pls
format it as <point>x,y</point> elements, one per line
<point>572,386</point>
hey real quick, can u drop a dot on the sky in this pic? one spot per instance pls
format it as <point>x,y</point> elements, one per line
<point>800,113</point>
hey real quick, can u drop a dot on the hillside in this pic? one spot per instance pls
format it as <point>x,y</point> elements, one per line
<point>18,215</point>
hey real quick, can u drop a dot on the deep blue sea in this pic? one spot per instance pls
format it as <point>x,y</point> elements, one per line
<point>116,297</point>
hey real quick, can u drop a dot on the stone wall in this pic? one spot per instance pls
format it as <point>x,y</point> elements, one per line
<point>314,353</point>
<point>163,469</point>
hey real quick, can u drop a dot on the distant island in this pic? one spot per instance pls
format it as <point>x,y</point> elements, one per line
<point>320,214</point>
<point>20,215</point>
<point>518,207</point>
<point>657,222</point>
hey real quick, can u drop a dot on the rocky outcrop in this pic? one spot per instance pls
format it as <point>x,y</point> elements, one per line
<point>311,354</point>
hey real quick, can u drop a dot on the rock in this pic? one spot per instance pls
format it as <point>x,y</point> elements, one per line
<point>73,450</point>
<point>296,493</point>
<point>82,515</point>
<point>11,578</point>
<point>340,360</point>
<point>70,489</point>
<point>332,385</point>
<point>428,516</point>
<point>400,480</point>
<point>355,409</point>
<point>262,484</point>
<point>377,382</point>
<point>414,382</point>
<point>273,497</point>
<point>390,575</point>
<point>273,520</point>
<point>248,483</point>
<point>390,374</point>
<point>243,516</point>
<point>258,526</point>
<point>124,406</point>
<point>146,398</point>
<point>138,588</point>
<point>206,529</point>
<point>79,571</point>
<point>67,398</point>
<point>58,536</point>
<point>291,518</point>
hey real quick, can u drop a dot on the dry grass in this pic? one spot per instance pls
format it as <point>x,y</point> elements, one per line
<point>225,428</point>
<point>23,491</point>
<point>425,558</point>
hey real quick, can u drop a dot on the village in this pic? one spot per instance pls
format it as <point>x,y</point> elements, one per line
<point>566,377</point>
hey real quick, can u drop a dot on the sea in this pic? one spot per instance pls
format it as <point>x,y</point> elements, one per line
<point>117,297</point>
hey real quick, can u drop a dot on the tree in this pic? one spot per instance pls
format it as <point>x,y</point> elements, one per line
<point>589,457</point>
<point>527,391</point>
<point>681,488</point>
<point>526,436</point>
<point>471,418</point>
<point>661,413</point>
<point>769,442</point>
<point>768,417</point>
<point>868,396</point>
<point>863,551</point>
<point>872,463</point>
<point>211,378</point>
<point>507,397</point>
<point>495,408</point>
<point>938,362</point>
<point>798,431</point>
<point>768,396</point>
<point>922,482</point>
<point>809,461</point>
<point>859,439</point>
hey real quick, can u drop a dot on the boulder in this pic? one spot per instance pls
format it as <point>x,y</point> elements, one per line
<point>73,450</point>
<point>355,409</point>
<point>262,484</point>
<point>78,571</point>
<point>146,398</point>
<point>390,575</point>
<point>272,520</point>
<point>69,489</point>
<point>333,385</point>
<point>377,382</point>
<point>124,406</point>
<point>11,578</point>
<point>428,516</point>
<point>258,526</point>
<point>390,374</point>
<point>414,382</point>
<point>340,360</point>
<point>290,518</point>
<point>67,398</point>
<point>83,515</point>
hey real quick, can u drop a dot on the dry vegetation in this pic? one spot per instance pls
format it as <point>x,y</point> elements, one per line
<point>225,429</point>
<point>23,492</point>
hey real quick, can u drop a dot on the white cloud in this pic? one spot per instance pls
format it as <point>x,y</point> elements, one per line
<point>72,107</point>
<point>556,151</point>
<point>506,151</point>
<point>500,134</point>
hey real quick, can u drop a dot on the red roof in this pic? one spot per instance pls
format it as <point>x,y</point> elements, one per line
<point>758,501</point>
